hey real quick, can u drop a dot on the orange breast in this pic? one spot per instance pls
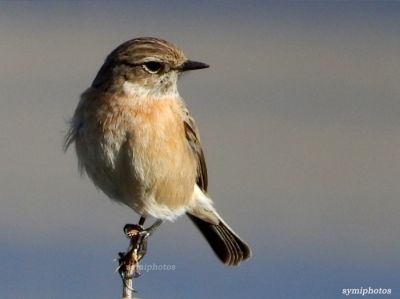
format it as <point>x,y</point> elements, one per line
<point>160,152</point>
<point>135,150</point>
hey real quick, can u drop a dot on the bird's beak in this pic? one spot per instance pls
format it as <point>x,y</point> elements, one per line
<point>189,65</point>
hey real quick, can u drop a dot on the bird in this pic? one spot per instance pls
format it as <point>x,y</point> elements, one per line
<point>137,141</point>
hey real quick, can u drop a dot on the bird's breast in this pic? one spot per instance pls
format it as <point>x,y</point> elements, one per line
<point>140,155</point>
<point>161,154</point>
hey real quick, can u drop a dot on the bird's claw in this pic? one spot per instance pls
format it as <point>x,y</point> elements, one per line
<point>132,230</point>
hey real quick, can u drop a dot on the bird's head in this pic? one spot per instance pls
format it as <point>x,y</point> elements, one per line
<point>144,67</point>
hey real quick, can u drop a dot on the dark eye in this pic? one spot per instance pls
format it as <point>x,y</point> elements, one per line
<point>153,66</point>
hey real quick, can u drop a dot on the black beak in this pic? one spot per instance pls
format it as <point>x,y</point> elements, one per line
<point>189,65</point>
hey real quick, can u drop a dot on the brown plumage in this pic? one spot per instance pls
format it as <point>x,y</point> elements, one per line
<point>137,141</point>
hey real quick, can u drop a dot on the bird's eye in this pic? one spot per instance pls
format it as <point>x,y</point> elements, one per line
<point>153,67</point>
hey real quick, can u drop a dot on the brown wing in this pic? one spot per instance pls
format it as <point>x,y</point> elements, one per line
<point>192,136</point>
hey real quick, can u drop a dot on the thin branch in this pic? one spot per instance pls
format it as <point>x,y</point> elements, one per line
<point>128,261</point>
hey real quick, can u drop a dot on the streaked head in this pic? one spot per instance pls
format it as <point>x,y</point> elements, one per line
<point>144,66</point>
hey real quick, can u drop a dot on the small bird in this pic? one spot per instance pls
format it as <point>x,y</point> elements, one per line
<point>136,140</point>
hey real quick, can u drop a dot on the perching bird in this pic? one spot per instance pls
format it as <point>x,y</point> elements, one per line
<point>137,141</point>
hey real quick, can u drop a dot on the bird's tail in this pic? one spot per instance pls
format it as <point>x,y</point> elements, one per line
<point>227,245</point>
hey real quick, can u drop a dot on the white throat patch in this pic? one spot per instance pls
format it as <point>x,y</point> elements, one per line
<point>159,91</point>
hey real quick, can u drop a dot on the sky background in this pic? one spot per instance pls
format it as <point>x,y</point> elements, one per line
<point>299,118</point>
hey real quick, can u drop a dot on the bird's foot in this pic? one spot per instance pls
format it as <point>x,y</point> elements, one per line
<point>128,261</point>
<point>137,231</point>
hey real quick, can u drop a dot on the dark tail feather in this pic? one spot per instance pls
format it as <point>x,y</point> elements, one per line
<point>229,248</point>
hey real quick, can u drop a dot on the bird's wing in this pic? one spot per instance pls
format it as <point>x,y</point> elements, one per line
<point>193,138</point>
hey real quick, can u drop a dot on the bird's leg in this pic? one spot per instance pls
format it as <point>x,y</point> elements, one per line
<point>151,229</point>
<point>142,220</point>
<point>144,234</point>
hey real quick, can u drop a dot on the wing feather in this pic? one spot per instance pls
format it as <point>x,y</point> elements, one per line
<point>193,138</point>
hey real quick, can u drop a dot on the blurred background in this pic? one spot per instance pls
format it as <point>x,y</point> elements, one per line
<point>299,117</point>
